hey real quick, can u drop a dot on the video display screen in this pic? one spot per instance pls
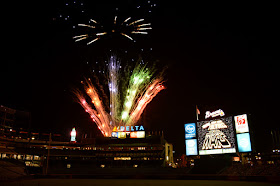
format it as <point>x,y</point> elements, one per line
<point>216,136</point>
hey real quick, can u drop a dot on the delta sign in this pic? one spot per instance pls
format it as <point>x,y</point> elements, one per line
<point>123,132</point>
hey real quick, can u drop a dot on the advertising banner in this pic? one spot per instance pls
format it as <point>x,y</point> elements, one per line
<point>133,135</point>
<point>121,135</point>
<point>244,142</point>
<point>191,147</point>
<point>241,124</point>
<point>138,134</point>
<point>190,131</point>
<point>123,132</point>
<point>114,134</point>
<point>141,134</point>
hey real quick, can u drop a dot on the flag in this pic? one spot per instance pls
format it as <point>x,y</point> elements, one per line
<point>197,112</point>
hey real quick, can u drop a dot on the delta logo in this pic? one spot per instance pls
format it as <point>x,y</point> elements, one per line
<point>128,128</point>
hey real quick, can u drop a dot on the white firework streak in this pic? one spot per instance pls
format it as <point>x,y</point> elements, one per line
<point>80,39</point>
<point>92,41</point>
<point>86,25</point>
<point>147,24</point>
<point>144,28</point>
<point>115,20</point>
<point>137,29</point>
<point>136,32</point>
<point>113,69</point>
<point>101,34</point>
<point>127,36</point>
<point>139,20</point>
<point>126,20</point>
<point>85,35</point>
<point>92,20</point>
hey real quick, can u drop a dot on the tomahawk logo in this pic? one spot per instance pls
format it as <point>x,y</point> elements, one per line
<point>215,138</point>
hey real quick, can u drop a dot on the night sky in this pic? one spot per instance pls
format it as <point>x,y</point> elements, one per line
<point>218,56</point>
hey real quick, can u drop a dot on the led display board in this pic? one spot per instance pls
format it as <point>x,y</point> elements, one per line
<point>241,123</point>
<point>190,131</point>
<point>216,136</point>
<point>191,147</point>
<point>243,142</point>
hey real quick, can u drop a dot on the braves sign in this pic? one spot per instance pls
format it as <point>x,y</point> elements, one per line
<point>216,113</point>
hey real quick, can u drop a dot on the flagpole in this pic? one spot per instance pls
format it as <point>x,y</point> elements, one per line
<point>197,112</point>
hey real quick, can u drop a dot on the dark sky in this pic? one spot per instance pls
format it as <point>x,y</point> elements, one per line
<point>219,56</point>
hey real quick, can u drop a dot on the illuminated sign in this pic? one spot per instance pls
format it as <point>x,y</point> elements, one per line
<point>216,136</point>
<point>128,128</point>
<point>241,124</point>
<point>236,158</point>
<point>242,131</point>
<point>190,131</point>
<point>121,135</point>
<point>139,134</point>
<point>133,135</point>
<point>191,147</point>
<point>243,142</point>
<point>191,143</point>
<point>123,132</point>
<point>114,134</point>
<point>216,113</point>
<point>73,135</point>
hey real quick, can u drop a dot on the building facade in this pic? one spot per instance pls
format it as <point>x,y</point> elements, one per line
<point>59,157</point>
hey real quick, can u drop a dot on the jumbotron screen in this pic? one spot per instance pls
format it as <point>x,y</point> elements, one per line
<point>216,136</point>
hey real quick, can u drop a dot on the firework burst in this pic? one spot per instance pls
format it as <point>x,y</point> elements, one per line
<point>125,28</point>
<point>143,86</point>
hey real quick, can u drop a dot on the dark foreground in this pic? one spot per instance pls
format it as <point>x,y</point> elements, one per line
<point>134,182</point>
